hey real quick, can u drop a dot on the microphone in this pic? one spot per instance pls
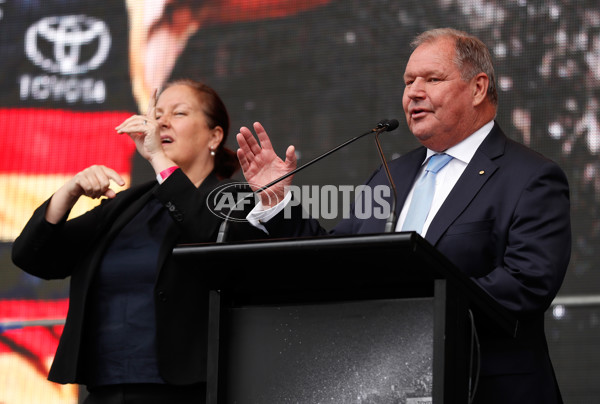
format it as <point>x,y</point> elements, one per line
<point>382,126</point>
<point>391,125</point>
<point>390,224</point>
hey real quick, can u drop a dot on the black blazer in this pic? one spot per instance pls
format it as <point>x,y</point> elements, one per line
<point>506,224</point>
<point>75,248</point>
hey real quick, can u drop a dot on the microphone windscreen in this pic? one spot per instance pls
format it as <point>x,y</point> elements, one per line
<point>382,123</point>
<point>392,124</point>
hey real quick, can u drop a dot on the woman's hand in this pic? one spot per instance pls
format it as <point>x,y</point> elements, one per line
<point>93,182</point>
<point>145,132</point>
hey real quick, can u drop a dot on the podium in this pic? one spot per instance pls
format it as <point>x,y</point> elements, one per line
<point>363,319</point>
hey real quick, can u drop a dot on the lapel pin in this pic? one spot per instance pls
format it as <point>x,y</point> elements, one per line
<point>481,172</point>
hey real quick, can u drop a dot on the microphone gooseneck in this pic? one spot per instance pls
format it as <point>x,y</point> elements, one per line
<point>382,126</point>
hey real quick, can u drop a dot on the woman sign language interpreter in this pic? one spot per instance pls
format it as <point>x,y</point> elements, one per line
<point>137,321</point>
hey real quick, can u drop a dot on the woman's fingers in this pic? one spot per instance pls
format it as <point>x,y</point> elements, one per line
<point>95,181</point>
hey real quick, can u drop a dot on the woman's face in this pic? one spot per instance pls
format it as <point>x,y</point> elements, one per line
<point>184,131</point>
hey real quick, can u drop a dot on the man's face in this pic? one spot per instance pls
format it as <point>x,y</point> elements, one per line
<point>437,102</point>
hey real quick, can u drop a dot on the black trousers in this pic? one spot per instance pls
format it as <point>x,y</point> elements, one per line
<point>147,394</point>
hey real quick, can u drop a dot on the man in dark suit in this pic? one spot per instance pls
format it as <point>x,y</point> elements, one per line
<point>500,211</point>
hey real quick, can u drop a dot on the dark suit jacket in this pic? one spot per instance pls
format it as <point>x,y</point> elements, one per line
<point>506,224</point>
<point>75,248</point>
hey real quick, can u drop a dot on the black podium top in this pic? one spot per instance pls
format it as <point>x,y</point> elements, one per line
<point>386,265</point>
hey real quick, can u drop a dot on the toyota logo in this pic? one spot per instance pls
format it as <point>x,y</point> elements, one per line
<point>79,44</point>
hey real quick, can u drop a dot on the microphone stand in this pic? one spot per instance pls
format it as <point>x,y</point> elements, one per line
<point>383,126</point>
<point>390,224</point>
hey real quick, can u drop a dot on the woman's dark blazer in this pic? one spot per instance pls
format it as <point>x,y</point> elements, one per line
<point>75,249</point>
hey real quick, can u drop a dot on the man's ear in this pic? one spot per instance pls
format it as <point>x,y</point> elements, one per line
<point>479,85</point>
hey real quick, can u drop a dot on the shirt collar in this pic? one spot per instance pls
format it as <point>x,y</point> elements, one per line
<point>465,150</point>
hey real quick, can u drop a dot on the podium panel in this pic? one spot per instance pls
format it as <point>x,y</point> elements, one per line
<point>373,351</point>
<point>371,319</point>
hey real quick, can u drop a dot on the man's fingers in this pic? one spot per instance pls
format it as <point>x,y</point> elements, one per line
<point>248,142</point>
<point>290,157</point>
<point>242,159</point>
<point>261,133</point>
<point>243,143</point>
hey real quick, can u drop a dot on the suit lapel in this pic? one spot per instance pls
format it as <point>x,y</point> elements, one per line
<point>476,174</point>
<point>173,232</point>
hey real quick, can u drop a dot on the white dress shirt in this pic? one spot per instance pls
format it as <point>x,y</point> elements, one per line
<point>447,177</point>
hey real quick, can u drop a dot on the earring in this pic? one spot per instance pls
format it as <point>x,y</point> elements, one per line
<point>212,152</point>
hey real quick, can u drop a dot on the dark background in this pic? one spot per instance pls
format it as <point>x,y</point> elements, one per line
<point>318,78</point>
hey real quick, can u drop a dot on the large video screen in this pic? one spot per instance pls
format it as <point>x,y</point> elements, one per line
<point>315,73</point>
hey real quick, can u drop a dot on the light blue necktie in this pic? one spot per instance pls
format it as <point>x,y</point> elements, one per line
<point>423,194</point>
